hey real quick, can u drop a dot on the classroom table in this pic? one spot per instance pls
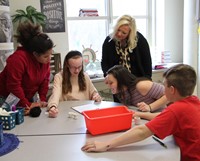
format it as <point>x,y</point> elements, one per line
<point>61,139</point>
<point>43,125</point>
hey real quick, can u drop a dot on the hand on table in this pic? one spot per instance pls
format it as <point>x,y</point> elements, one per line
<point>53,112</point>
<point>34,104</point>
<point>95,147</point>
<point>96,97</point>
<point>43,104</point>
<point>143,107</point>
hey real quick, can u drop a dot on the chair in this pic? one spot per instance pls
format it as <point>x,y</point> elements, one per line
<point>55,67</point>
<point>55,63</point>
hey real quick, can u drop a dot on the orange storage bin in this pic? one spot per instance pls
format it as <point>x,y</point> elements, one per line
<point>107,120</point>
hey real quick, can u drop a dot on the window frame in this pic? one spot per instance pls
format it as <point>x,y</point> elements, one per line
<point>150,19</point>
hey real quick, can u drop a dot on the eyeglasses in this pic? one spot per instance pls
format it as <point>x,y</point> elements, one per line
<point>75,68</point>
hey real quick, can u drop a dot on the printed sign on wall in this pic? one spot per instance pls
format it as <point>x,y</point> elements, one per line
<point>54,10</point>
<point>6,33</point>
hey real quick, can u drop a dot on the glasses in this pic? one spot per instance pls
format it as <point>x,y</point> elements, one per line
<point>75,68</point>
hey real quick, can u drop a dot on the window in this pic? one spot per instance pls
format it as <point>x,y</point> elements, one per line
<point>86,32</point>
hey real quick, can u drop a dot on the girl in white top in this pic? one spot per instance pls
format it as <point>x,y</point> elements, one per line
<point>71,83</point>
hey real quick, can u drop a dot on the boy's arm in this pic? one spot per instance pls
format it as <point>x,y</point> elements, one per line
<point>146,115</point>
<point>161,102</point>
<point>133,135</point>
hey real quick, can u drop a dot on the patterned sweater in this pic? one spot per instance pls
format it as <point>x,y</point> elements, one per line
<point>132,97</point>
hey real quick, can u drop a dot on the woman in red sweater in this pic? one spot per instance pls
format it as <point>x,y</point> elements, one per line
<point>27,70</point>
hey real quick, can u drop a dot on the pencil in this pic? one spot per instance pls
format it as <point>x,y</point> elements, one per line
<point>160,142</point>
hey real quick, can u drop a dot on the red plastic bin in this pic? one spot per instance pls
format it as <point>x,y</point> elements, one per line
<point>107,120</point>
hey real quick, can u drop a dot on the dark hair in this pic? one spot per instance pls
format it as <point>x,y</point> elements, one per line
<point>32,38</point>
<point>124,79</point>
<point>66,84</point>
<point>183,77</point>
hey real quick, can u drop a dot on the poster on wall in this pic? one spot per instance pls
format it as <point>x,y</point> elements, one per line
<point>6,30</point>
<point>54,10</point>
<point>4,3</point>
<point>6,33</point>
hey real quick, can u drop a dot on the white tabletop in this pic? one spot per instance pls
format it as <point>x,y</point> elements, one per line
<point>62,124</point>
<point>61,139</point>
<point>68,148</point>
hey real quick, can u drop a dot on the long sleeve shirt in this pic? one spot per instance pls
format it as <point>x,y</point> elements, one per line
<point>24,76</point>
<point>58,96</point>
<point>141,64</point>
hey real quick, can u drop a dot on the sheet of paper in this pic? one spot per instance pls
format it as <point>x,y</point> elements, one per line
<point>10,100</point>
<point>133,108</point>
<point>95,105</point>
<point>86,107</point>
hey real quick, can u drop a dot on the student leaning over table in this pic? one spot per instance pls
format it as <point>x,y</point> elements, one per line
<point>180,119</point>
<point>27,70</point>
<point>148,96</point>
<point>71,84</point>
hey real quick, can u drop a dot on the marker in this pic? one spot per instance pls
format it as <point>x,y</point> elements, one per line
<point>160,142</point>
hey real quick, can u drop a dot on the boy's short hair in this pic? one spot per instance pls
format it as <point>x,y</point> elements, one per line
<point>183,77</point>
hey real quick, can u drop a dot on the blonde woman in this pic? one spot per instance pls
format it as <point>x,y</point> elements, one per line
<point>127,47</point>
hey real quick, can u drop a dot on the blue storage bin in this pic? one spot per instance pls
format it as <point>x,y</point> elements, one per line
<point>20,116</point>
<point>8,121</point>
<point>1,133</point>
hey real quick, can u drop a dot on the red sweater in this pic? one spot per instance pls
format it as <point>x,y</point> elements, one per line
<point>24,76</point>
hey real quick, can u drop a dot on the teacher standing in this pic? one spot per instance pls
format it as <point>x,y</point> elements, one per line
<point>127,47</point>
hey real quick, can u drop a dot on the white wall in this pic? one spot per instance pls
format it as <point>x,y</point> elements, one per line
<point>191,55</point>
<point>173,41</point>
<point>173,27</point>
